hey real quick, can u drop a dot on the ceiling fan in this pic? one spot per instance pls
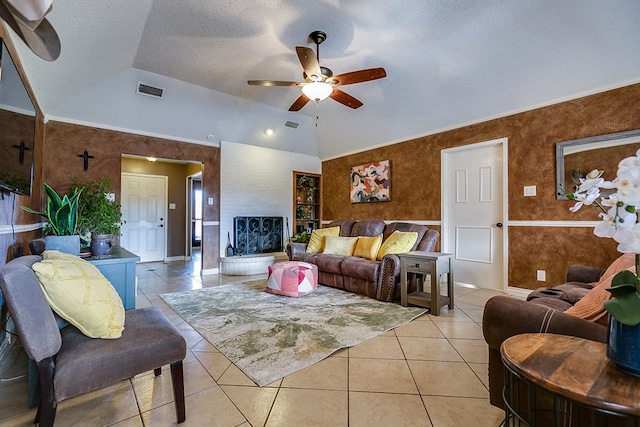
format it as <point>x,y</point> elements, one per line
<point>320,82</point>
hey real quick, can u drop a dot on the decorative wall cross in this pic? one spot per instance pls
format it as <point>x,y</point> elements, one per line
<point>22,147</point>
<point>85,157</point>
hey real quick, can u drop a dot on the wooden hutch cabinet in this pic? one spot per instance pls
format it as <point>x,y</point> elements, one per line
<point>307,202</point>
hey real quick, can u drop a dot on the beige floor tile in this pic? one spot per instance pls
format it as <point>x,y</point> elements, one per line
<point>384,409</point>
<point>418,348</point>
<point>215,363</point>
<point>253,402</point>
<point>447,315</point>
<point>419,328</point>
<point>208,408</point>
<point>328,374</point>
<point>457,412</point>
<point>382,347</point>
<point>234,376</point>
<point>130,422</point>
<point>469,330</point>
<point>380,375</point>
<point>475,314</point>
<point>482,372</point>
<point>204,345</point>
<point>99,408</point>
<point>294,407</point>
<point>446,379</point>
<point>476,351</point>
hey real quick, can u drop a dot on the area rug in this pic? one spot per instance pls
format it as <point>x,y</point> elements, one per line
<point>271,336</point>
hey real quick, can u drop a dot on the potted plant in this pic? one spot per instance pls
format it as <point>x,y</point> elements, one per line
<point>619,216</point>
<point>99,216</point>
<point>61,214</point>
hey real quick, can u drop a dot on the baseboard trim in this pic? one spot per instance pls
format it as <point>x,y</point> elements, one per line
<point>208,271</point>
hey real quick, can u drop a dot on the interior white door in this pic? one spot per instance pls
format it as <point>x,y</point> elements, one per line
<point>474,231</point>
<point>144,211</point>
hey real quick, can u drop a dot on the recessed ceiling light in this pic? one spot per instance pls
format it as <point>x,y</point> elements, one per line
<point>269,131</point>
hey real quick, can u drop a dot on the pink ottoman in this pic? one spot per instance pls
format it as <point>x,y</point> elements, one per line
<point>292,278</point>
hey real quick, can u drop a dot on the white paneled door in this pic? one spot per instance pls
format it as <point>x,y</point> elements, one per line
<point>143,209</point>
<point>473,228</point>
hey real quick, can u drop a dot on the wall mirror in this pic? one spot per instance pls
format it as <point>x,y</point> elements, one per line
<point>577,157</point>
<point>17,128</point>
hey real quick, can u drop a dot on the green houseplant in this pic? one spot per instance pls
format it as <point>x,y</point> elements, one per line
<point>99,216</point>
<point>61,214</point>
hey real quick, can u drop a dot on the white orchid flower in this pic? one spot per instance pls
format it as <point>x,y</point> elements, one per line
<point>628,184</point>
<point>585,198</point>
<point>606,228</point>
<point>628,239</point>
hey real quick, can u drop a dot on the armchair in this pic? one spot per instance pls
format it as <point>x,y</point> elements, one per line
<point>70,363</point>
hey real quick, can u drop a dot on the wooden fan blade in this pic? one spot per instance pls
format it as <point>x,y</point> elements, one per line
<point>271,83</point>
<point>299,103</point>
<point>309,62</point>
<point>345,98</point>
<point>359,76</point>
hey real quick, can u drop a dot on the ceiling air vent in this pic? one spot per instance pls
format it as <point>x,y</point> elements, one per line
<point>291,124</point>
<point>156,92</point>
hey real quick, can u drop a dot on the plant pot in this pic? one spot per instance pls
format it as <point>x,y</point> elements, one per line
<point>66,244</point>
<point>623,346</point>
<point>101,245</point>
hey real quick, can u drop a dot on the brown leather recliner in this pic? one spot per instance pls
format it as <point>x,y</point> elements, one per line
<point>506,316</point>
<point>376,279</point>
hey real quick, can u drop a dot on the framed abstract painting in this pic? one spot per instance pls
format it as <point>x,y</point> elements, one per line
<point>370,182</point>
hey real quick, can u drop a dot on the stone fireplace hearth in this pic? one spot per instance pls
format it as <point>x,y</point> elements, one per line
<point>258,243</point>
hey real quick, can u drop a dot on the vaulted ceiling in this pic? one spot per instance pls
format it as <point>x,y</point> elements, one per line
<point>448,63</point>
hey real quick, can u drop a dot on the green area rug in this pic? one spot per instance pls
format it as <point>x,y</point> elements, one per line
<point>271,336</point>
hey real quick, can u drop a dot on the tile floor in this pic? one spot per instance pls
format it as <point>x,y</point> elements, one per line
<point>430,372</point>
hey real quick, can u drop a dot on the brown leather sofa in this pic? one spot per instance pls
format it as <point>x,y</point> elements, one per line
<point>376,279</point>
<point>506,316</point>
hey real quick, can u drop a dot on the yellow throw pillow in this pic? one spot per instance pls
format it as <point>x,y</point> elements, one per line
<point>367,247</point>
<point>316,241</point>
<point>397,243</point>
<point>339,245</point>
<point>80,294</point>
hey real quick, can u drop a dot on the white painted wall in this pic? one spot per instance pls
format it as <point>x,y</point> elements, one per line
<point>258,181</point>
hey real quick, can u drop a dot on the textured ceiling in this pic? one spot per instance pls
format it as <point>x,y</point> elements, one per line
<point>448,63</point>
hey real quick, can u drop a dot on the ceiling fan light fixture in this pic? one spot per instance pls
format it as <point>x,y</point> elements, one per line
<point>317,90</point>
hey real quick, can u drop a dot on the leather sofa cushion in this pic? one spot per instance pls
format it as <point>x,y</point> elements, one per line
<point>361,268</point>
<point>574,295</point>
<point>368,227</point>
<point>329,263</point>
<point>345,226</point>
<point>305,257</point>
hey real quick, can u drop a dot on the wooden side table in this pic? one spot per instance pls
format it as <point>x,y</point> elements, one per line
<point>560,380</point>
<point>435,264</point>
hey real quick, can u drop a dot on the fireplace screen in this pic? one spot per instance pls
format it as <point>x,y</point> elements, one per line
<point>257,234</point>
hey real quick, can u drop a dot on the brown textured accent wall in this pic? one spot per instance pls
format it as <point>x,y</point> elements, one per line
<point>532,135</point>
<point>64,142</point>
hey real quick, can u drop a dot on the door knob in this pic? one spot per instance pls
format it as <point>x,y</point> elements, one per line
<point>499,225</point>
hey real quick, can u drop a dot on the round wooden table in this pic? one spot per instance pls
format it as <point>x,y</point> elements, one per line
<point>559,380</point>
